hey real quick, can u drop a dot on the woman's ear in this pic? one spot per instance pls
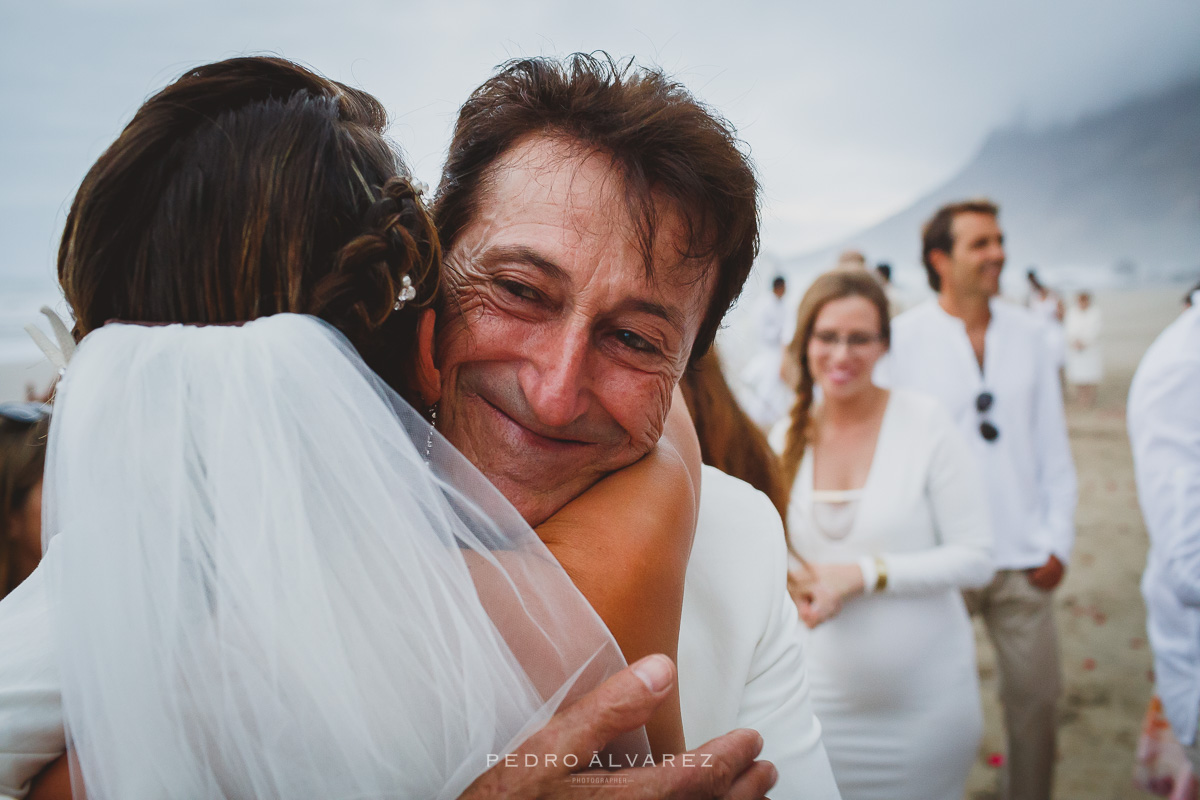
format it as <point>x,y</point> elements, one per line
<point>429,380</point>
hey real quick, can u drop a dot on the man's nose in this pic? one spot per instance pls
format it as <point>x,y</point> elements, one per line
<point>556,380</point>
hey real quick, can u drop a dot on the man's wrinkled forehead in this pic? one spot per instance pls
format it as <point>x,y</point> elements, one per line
<point>586,190</point>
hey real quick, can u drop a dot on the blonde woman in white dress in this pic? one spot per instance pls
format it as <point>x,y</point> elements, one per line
<point>887,509</point>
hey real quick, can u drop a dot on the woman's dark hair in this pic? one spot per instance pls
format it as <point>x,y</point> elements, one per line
<point>729,439</point>
<point>666,145</point>
<point>252,187</point>
<point>22,460</point>
<point>826,288</point>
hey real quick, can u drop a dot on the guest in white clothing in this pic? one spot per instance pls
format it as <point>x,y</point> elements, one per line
<point>1085,361</point>
<point>1046,304</point>
<point>986,361</point>
<point>1164,429</point>
<point>766,397</point>
<point>888,510</point>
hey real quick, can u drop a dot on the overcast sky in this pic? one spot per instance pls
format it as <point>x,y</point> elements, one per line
<point>850,109</point>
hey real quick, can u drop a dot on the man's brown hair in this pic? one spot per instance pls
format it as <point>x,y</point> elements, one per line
<point>937,233</point>
<point>663,141</point>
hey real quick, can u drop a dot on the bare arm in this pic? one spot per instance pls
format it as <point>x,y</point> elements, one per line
<point>626,543</point>
<point>52,783</point>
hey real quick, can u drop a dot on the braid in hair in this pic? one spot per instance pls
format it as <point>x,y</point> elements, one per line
<point>398,240</point>
<point>800,428</point>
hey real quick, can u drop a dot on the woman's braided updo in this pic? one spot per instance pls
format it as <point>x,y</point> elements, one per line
<point>252,187</point>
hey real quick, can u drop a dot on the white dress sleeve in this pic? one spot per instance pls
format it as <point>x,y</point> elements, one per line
<point>962,558</point>
<point>31,724</point>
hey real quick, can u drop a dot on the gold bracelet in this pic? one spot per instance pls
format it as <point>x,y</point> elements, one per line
<point>881,573</point>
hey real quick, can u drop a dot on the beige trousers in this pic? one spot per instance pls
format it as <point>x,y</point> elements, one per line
<point>1020,622</point>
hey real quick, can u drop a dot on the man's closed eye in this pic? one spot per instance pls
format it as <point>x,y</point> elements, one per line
<point>520,290</point>
<point>635,342</point>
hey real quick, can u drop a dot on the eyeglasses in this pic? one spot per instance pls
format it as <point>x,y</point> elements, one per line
<point>855,341</point>
<point>25,413</point>
<point>983,404</point>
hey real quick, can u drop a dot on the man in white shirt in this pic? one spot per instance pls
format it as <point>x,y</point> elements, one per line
<point>986,360</point>
<point>1164,429</point>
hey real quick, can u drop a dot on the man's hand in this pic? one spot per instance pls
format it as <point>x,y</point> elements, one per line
<point>1049,575</point>
<point>725,767</point>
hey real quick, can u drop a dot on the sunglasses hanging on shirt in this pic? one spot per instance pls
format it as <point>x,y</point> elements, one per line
<point>983,404</point>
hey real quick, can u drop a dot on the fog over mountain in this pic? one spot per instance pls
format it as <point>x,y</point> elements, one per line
<point>1114,195</point>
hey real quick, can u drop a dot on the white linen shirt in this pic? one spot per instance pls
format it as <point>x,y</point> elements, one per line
<point>1028,471</point>
<point>1164,430</point>
<point>740,657</point>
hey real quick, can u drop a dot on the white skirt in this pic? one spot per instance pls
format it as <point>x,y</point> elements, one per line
<point>896,690</point>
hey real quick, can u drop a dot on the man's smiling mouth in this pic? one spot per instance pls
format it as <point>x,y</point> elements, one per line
<point>527,433</point>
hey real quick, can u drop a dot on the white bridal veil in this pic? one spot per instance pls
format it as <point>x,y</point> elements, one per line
<point>273,579</point>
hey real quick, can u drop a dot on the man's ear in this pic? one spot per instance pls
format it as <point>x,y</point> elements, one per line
<point>429,380</point>
<point>940,261</point>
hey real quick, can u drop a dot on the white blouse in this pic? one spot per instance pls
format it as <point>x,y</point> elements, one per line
<point>923,510</point>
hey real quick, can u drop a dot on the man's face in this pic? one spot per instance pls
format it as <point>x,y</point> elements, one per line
<point>977,257</point>
<point>557,354</point>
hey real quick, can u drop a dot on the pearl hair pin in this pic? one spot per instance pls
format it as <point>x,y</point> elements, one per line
<point>407,292</point>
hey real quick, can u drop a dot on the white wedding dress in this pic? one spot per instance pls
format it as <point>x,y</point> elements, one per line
<point>273,579</point>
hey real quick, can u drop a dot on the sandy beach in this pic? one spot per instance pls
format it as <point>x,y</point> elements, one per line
<point>1107,666</point>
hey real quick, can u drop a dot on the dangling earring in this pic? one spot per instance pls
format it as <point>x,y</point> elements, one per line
<point>432,424</point>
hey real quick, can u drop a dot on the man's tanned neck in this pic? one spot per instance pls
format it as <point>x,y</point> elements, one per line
<point>974,310</point>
